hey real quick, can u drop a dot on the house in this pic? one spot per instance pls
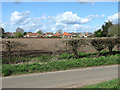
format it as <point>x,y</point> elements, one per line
<point>48,34</point>
<point>10,34</point>
<point>65,34</point>
<point>88,34</point>
<point>77,34</point>
<point>57,35</point>
<point>81,35</point>
<point>32,35</point>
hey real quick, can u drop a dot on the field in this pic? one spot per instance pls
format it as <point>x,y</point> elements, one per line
<point>42,55</point>
<point>46,45</point>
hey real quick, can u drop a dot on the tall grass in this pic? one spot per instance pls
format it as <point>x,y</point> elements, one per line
<point>10,69</point>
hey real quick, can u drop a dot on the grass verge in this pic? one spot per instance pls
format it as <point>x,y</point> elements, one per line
<point>11,69</point>
<point>107,84</point>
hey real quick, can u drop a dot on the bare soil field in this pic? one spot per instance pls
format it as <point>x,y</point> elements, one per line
<point>45,46</point>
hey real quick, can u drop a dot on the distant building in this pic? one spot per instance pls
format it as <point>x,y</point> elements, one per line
<point>77,34</point>
<point>10,34</point>
<point>65,34</point>
<point>81,35</point>
<point>32,35</point>
<point>48,34</point>
<point>57,35</point>
<point>89,34</point>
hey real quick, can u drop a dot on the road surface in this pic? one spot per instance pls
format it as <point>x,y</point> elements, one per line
<point>62,79</point>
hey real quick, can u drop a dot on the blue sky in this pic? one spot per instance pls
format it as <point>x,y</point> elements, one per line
<point>52,16</point>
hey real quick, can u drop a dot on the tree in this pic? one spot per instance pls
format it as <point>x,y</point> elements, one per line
<point>74,44</point>
<point>99,45</point>
<point>40,32</point>
<point>20,30</point>
<point>18,35</point>
<point>103,43</point>
<point>24,33</point>
<point>98,33</point>
<point>2,32</point>
<point>114,30</point>
<point>59,31</point>
<point>105,28</point>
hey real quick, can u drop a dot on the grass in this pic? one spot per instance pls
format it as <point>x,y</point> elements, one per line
<point>63,64</point>
<point>107,84</point>
<point>18,59</point>
<point>47,58</point>
<point>43,58</point>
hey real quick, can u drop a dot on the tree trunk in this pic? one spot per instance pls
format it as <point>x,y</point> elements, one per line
<point>98,54</point>
<point>75,53</point>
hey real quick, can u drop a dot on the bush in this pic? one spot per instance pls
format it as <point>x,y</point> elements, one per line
<point>74,44</point>
<point>103,43</point>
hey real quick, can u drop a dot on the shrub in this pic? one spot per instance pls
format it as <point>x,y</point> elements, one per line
<point>103,43</point>
<point>74,44</point>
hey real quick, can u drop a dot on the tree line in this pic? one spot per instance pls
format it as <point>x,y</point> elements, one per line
<point>20,32</point>
<point>108,30</point>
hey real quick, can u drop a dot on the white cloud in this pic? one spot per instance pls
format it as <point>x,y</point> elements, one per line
<point>114,18</point>
<point>19,17</point>
<point>103,15</point>
<point>68,18</point>
<point>89,18</point>
<point>67,21</point>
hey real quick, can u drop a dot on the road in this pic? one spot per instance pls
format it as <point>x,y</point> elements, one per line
<point>62,79</point>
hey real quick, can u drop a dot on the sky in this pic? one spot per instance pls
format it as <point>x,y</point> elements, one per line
<point>54,16</point>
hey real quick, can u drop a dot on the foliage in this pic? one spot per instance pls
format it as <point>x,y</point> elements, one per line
<point>10,69</point>
<point>59,31</point>
<point>2,32</point>
<point>24,33</point>
<point>98,33</point>
<point>114,30</point>
<point>106,84</point>
<point>18,34</point>
<point>75,44</point>
<point>104,32</point>
<point>54,37</point>
<point>103,43</point>
<point>40,32</point>
<point>20,30</point>
<point>105,28</point>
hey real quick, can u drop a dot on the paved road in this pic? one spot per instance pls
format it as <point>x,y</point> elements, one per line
<point>68,78</point>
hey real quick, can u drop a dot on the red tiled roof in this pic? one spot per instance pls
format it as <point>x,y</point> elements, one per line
<point>33,34</point>
<point>56,34</point>
<point>66,34</point>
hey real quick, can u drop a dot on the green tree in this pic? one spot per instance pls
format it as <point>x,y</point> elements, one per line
<point>105,28</point>
<point>20,30</point>
<point>24,33</point>
<point>98,33</point>
<point>114,30</point>
<point>18,35</point>
<point>2,32</point>
<point>40,32</point>
<point>59,31</point>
